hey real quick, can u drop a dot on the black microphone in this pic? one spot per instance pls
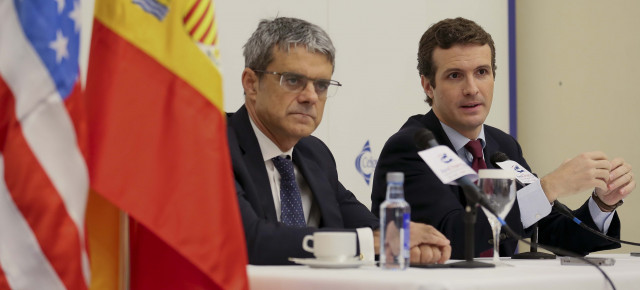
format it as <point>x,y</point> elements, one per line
<point>424,139</point>
<point>561,208</point>
<point>501,157</point>
<point>498,157</point>
<point>533,251</point>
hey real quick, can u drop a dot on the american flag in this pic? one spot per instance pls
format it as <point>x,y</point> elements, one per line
<point>43,175</point>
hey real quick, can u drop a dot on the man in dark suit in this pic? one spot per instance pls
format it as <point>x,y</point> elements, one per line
<point>286,180</point>
<point>456,61</point>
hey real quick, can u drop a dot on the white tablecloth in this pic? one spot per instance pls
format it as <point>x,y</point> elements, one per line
<point>524,274</point>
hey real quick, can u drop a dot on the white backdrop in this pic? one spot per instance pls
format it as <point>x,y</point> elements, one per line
<point>376,43</point>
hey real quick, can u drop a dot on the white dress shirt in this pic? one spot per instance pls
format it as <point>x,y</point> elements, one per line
<point>270,150</point>
<point>311,211</point>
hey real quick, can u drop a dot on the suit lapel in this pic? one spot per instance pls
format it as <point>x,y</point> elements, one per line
<point>254,161</point>
<point>432,123</point>
<point>491,148</point>
<point>321,190</point>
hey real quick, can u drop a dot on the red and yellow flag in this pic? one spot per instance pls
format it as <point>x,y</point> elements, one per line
<point>158,148</point>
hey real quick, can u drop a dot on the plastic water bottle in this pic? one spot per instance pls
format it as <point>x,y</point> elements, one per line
<point>395,215</point>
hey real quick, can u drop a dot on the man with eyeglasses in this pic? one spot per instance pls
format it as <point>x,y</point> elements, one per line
<point>286,180</point>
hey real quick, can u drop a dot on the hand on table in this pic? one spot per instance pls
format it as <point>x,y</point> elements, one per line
<point>428,245</point>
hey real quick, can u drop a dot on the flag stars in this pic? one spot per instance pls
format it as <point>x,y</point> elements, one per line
<point>75,15</point>
<point>60,5</point>
<point>59,45</point>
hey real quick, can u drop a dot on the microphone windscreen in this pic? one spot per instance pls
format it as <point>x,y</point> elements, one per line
<point>498,157</point>
<point>422,138</point>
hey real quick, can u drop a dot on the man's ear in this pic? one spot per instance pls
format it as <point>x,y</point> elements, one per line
<point>249,82</point>
<point>426,86</point>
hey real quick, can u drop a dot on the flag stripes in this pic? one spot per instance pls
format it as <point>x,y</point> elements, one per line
<point>3,281</point>
<point>44,179</point>
<point>26,265</point>
<point>200,22</point>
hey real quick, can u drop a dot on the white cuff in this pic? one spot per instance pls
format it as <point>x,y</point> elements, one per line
<point>365,240</point>
<point>600,218</point>
<point>533,204</point>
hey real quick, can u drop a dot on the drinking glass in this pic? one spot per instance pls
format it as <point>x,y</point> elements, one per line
<point>499,186</point>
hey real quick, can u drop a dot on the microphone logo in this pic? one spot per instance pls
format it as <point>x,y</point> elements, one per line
<point>445,158</point>
<point>518,169</point>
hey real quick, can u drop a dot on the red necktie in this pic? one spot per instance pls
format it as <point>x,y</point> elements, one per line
<point>475,148</point>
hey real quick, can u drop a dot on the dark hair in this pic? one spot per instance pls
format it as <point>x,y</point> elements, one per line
<point>285,32</point>
<point>446,34</point>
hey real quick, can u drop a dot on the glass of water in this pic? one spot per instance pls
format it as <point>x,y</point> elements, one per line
<point>499,186</point>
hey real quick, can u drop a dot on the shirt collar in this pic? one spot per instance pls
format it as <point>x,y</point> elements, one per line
<point>458,140</point>
<point>267,147</point>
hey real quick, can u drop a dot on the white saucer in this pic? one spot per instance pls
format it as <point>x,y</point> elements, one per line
<point>315,263</point>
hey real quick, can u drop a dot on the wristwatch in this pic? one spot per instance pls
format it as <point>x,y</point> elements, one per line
<point>603,205</point>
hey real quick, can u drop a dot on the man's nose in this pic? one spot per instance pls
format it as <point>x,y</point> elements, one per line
<point>308,93</point>
<point>470,87</point>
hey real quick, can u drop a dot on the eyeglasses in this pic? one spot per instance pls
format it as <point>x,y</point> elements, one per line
<point>294,82</point>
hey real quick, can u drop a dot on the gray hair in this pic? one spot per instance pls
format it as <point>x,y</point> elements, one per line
<point>285,32</point>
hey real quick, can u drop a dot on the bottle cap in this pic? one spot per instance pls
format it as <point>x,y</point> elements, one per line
<point>395,177</point>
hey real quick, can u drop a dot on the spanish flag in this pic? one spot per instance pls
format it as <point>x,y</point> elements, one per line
<point>158,149</point>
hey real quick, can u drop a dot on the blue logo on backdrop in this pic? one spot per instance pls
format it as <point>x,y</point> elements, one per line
<point>365,163</point>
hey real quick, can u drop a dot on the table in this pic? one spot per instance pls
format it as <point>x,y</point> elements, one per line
<point>524,274</point>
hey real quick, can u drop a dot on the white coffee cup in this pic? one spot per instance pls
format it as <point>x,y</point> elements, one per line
<point>331,246</point>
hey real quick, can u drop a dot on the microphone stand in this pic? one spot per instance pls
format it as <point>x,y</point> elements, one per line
<point>470,214</point>
<point>534,254</point>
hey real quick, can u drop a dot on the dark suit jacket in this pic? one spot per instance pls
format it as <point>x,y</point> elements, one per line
<point>442,205</point>
<point>269,241</point>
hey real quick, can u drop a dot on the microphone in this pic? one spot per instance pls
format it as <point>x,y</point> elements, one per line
<point>498,157</point>
<point>561,208</point>
<point>533,251</point>
<point>424,139</point>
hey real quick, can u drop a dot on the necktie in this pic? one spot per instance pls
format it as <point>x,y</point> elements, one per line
<point>291,212</point>
<point>475,148</point>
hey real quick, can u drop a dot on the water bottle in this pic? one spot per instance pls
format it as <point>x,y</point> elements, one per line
<point>395,215</point>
